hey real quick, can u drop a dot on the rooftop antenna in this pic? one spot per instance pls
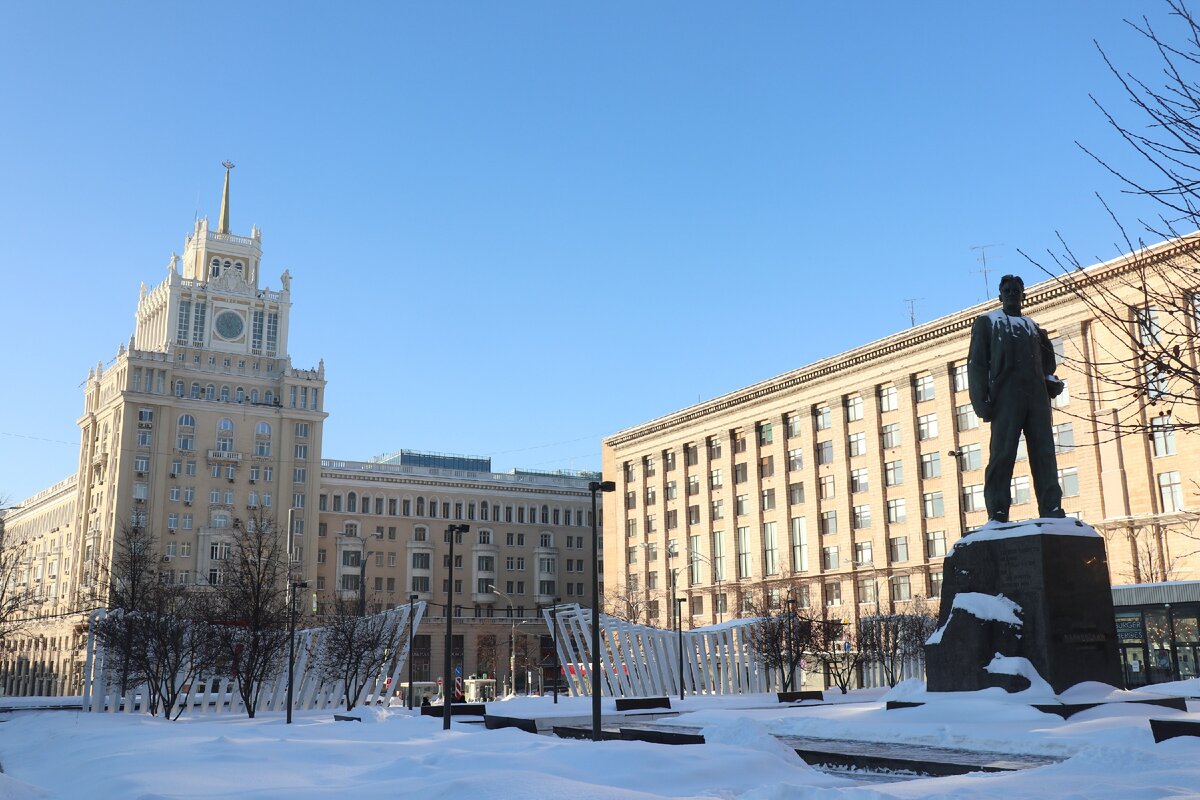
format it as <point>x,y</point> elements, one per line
<point>912,310</point>
<point>983,270</point>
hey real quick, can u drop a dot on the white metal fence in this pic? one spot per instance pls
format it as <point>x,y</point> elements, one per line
<point>217,695</point>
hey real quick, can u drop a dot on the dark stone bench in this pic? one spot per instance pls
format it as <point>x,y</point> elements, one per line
<point>796,697</point>
<point>346,718</point>
<point>1068,710</point>
<point>639,703</point>
<point>494,722</point>
<point>1164,729</point>
<point>655,736</point>
<point>892,705</point>
<point>456,710</point>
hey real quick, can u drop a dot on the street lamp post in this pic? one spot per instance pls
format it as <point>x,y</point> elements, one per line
<point>448,663</point>
<point>594,487</point>
<point>554,639</point>
<point>679,601</point>
<point>412,599</point>
<point>512,641</point>
<point>293,586</point>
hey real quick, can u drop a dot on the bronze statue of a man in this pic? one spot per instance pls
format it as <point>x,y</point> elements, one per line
<point>1010,376</point>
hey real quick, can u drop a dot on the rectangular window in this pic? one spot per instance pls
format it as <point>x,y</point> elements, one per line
<point>1162,432</point>
<point>718,509</point>
<point>1170,490</point>
<point>923,387</point>
<point>672,490</point>
<point>693,515</point>
<point>718,555</point>
<point>833,593</point>
<point>799,534</point>
<point>862,517</point>
<point>741,504</point>
<point>1068,479</point>
<point>740,473</point>
<point>931,465</point>
<point>927,427</point>
<point>859,480</point>
<point>890,436</point>
<point>1064,438</point>
<point>768,499</point>
<point>827,486</point>
<point>185,314</point>
<point>898,549</point>
<point>198,324</point>
<point>965,418</point>
<point>901,588</point>
<point>770,549</point>
<point>935,584</point>
<point>256,333</point>
<point>795,493</point>
<point>743,552</point>
<point>857,444</point>
<point>960,378</point>
<point>893,473</point>
<point>896,512</point>
<point>714,448</point>
<point>828,522</point>
<point>823,418</point>
<point>824,453</point>
<point>829,558</point>
<point>794,425</point>
<point>888,398</point>
<point>272,331</point>
<point>693,485</point>
<point>854,408</point>
<point>866,590</point>
<point>715,480</point>
<point>1019,489</point>
<point>691,455</point>
<point>934,506</point>
<point>766,434</point>
<point>795,458</point>
<point>766,466</point>
<point>970,457</point>
<point>972,498</point>
<point>936,543</point>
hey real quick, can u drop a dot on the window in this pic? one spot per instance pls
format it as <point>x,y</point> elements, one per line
<point>672,490</point>
<point>923,387</point>
<point>866,590</point>
<point>833,593</point>
<point>898,549</point>
<point>225,435</point>
<point>651,495</point>
<point>1064,438</point>
<point>631,500</point>
<point>770,549</point>
<point>927,427</point>
<point>795,458</point>
<point>799,533</point>
<point>1148,326</point>
<point>693,485</point>
<point>891,435</point>
<point>934,506</point>
<point>965,418</point>
<point>672,519</point>
<point>631,555</point>
<point>970,457</point>
<point>828,522</point>
<point>718,509</point>
<point>857,444</point>
<point>931,465</point>
<point>1068,479</point>
<point>960,378</point>
<point>901,588</point>
<point>972,498</point>
<point>896,512</point>
<point>766,434</point>
<point>718,556</point>
<point>936,543</point>
<point>823,418</point>
<point>714,448</point>
<point>829,558</point>
<point>668,460</point>
<point>862,517</point>
<point>854,408</point>
<point>648,465</point>
<point>766,466</point>
<point>768,499</point>
<point>1064,397</point>
<point>715,480</point>
<point>859,480</point>
<point>793,425</point>
<point>827,487</point>
<point>419,560</point>
<point>888,398</point>
<point>935,584</point>
<point>795,493</point>
<point>741,504</point>
<point>743,552</point>
<point>1163,435</point>
<point>693,515</point>
<point>1170,490</point>
<point>824,452</point>
<point>1019,489</point>
<point>691,455</point>
<point>893,473</point>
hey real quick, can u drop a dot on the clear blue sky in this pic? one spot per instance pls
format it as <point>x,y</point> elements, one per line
<point>515,228</point>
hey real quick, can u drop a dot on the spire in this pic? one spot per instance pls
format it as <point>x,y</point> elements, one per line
<point>223,224</point>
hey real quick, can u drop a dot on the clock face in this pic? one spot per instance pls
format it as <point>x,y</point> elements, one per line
<point>229,325</point>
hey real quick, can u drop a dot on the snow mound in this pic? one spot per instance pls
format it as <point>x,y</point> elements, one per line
<point>752,735</point>
<point>995,607</point>
<point>1018,665</point>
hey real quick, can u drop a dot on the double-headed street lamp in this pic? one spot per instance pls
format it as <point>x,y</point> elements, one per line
<point>452,532</point>
<point>594,487</point>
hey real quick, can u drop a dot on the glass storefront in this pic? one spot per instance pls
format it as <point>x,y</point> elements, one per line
<point>1159,643</point>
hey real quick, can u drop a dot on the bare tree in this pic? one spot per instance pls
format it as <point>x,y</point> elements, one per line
<point>253,608</point>
<point>627,603</point>
<point>487,654</point>
<point>781,639</point>
<point>354,649</point>
<point>15,595</point>
<point>891,640</point>
<point>834,645</point>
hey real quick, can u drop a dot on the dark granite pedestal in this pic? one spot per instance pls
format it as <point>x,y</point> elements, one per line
<point>1056,571</point>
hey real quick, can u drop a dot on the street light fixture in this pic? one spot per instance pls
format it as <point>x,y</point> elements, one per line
<point>679,601</point>
<point>594,487</point>
<point>452,532</point>
<point>512,641</point>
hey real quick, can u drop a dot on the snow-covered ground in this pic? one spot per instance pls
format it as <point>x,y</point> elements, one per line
<point>1108,752</point>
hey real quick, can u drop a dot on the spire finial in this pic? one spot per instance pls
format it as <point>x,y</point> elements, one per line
<point>223,224</point>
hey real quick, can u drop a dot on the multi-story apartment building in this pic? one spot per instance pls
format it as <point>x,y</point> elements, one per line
<point>843,483</point>
<point>202,423</point>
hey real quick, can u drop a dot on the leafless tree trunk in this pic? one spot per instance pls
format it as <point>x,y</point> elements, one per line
<point>15,595</point>
<point>835,647</point>
<point>781,639</point>
<point>356,649</point>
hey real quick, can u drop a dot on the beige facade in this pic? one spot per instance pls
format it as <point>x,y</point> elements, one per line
<point>201,423</point>
<point>843,483</point>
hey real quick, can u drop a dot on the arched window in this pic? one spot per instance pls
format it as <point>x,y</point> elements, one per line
<point>185,437</point>
<point>352,503</point>
<point>237,265</point>
<point>420,534</point>
<point>269,398</point>
<point>483,512</point>
<point>210,392</point>
<point>225,435</point>
<point>254,395</point>
<point>420,506</point>
<point>240,395</point>
<point>220,520</point>
<point>195,391</point>
<point>179,388</point>
<point>545,515</point>
<point>224,394</point>
<point>263,429</point>
<point>187,421</point>
<point>216,267</point>
<point>226,265</point>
